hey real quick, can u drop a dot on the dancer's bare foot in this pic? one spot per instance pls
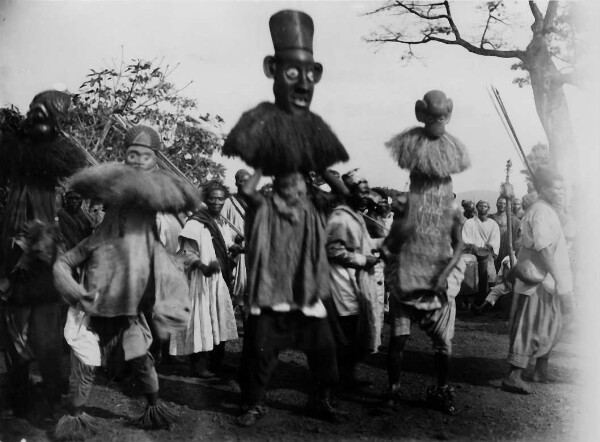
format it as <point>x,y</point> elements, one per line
<point>516,386</point>
<point>513,383</point>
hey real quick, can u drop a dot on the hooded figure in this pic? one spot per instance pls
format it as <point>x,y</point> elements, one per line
<point>287,269</point>
<point>129,275</point>
<point>34,157</point>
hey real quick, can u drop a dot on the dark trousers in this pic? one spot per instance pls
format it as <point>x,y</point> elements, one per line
<point>44,338</point>
<point>208,360</point>
<point>482,273</point>
<point>348,354</point>
<point>271,332</point>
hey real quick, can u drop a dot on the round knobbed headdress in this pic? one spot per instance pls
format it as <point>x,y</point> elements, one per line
<point>56,103</point>
<point>429,150</point>
<point>434,110</point>
<point>43,118</point>
<point>143,136</point>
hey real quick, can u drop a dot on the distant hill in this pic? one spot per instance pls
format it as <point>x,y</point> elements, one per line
<point>476,195</point>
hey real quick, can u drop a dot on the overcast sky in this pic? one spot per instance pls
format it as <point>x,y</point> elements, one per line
<point>367,93</point>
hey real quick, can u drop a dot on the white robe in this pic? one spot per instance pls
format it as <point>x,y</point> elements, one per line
<point>212,320</point>
<point>478,234</point>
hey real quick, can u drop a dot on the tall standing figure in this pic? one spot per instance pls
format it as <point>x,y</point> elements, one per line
<point>207,244</point>
<point>428,243</point>
<point>129,276</point>
<point>33,159</point>
<point>288,273</point>
<point>543,284</point>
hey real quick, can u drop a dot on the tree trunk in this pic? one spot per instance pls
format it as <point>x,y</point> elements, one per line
<point>551,105</point>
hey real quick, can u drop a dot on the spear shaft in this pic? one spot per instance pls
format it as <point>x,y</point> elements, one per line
<point>499,105</point>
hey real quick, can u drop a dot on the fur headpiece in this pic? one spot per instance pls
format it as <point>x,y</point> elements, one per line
<point>121,185</point>
<point>46,160</point>
<point>436,157</point>
<point>277,142</point>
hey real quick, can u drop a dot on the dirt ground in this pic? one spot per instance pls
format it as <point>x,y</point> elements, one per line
<point>207,409</point>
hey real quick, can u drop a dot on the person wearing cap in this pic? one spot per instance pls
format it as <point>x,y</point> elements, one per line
<point>209,250</point>
<point>234,210</point>
<point>130,276</point>
<point>354,306</point>
<point>429,270</point>
<point>288,274</point>
<point>34,158</point>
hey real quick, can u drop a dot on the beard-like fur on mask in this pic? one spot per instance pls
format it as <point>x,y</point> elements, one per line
<point>49,160</point>
<point>116,184</point>
<point>277,142</point>
<point>436,157</point>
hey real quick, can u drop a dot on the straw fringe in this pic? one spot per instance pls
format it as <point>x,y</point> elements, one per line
<point>279,143</point>
<point>436,157</point>
<point>122,185</point>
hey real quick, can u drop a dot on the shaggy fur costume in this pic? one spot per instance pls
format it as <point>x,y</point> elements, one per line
<point>277,142</point>
<point>46,161</point>
<point>435,157</point>
<point>122,185</point>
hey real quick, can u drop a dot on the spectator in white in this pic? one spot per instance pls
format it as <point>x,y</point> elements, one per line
<point>208,249</point>
<point>543,284</point>
<point>481,236</point>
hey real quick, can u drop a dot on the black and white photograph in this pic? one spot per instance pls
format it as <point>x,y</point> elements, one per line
<point>324,220</point>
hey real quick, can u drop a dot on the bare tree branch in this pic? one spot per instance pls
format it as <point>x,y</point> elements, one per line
<point>381,9</point>
<point>414,11</point>
<point>451,21</point>
<point>538,22</point>
<point>550,15</point>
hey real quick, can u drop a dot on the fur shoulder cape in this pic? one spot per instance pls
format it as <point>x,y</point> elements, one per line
<point>435,157</point>
<point>278,143</point>
<point>117,184</point>
<point>22,157</point>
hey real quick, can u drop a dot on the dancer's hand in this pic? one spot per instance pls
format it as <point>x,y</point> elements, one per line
<point>210,269</point>
<point>371,261</point>
<point>235,250</point>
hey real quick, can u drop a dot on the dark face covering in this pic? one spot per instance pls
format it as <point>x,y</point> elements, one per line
<point>39,124</point>
<point>295,77</point>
